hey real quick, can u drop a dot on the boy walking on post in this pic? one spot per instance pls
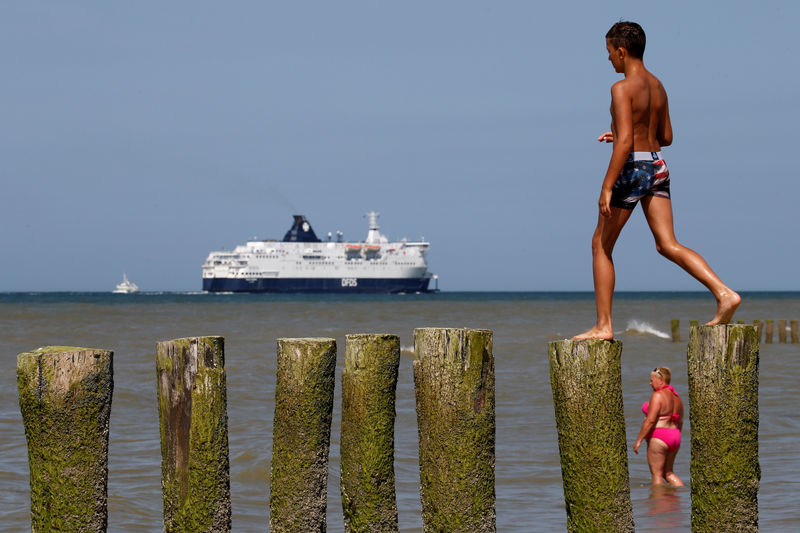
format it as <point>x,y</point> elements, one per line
<point>640,126</point>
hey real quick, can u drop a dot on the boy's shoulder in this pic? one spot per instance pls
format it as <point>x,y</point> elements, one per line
<point>621,88</point>
<point>632,84</point>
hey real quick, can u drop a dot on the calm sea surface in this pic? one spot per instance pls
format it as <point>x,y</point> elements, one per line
<point>528,475</point>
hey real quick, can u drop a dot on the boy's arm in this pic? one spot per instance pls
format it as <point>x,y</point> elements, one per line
<point>665,126</point>
<point>623,142</point>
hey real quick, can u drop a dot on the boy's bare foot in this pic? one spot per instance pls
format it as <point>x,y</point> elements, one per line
<point>726,307</point>
<point>595,333</point>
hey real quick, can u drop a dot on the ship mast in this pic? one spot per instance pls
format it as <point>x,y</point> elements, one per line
<point>374,235</point>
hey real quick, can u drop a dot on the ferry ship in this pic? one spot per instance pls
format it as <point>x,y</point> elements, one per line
<point>302,262</point>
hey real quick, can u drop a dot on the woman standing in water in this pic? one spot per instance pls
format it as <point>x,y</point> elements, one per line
<point>662,428</point>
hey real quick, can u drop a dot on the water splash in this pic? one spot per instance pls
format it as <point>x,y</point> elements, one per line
<point>641,327</point>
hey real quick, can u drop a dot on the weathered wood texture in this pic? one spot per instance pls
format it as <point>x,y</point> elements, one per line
<point>723,399</point>
<point>759,325</point>
<point>795,336</point>
<point>192,409</point>
<point>301,434</point>
<point>782,331</point>
<point>455,395</point>
<point>65,399</point>
<point>586,377</point>
<point>369,383</point>
<point>768,332</point>
<point>675,325</point>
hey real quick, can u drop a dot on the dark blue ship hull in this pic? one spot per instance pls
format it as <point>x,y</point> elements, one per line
<point>332,285</point>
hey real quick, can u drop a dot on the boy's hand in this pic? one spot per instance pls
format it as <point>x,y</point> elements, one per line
<point>605,202</point>
<point>607,137</point>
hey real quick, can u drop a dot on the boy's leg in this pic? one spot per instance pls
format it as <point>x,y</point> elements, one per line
<point>658,211</point>
<point>603,241</point>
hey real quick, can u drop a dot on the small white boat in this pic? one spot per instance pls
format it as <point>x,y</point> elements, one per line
<point>126,287</point>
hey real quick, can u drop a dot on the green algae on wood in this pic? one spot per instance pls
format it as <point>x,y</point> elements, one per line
<point>586,377</point>
<point>723,411</point>
<point>675,325</point>
<point>301,434</point>
<point>759,325</point>
<point>455,397</point>
<point>65,399</point>
<point>192,407</point>
<point>369,383</point>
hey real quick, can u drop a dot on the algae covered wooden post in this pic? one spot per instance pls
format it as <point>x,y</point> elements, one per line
<point>675,325</point>
<point>192,412</point>
<point>723,399</point>
<point>301,434</point>
<point>759,325</point>
<point>369,383</point>
<point>586,377</point>
<point>65,399</point>
<point>455,396</point>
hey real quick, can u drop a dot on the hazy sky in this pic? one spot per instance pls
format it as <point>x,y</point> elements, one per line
<point>139,136</point>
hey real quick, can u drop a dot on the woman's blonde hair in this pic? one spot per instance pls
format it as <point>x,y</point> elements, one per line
<point>664,372</point>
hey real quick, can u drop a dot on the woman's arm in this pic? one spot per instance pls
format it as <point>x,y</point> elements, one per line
<point>653,408</point>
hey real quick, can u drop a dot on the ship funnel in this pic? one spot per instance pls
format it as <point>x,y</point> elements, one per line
<point>301,231</point>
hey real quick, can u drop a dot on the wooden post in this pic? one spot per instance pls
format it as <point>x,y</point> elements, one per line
<point>369,382</point>
<point>795,339</point>
<point>768,332</point>
<point>301,434</point>
<point>676,330</point>
<point>454,383</point>
<point>759,325</point>
<point>192,412</point>
<point>65,399</point>
<point>692,324</point>
<point>723,401</point>
<point>586,377</point>
<point>782,331</point>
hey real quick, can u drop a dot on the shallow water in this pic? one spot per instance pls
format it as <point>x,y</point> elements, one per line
<point>528,475</point>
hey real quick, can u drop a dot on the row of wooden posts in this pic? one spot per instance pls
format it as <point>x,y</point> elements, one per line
<point>765,327</point>
<point>65,397</point>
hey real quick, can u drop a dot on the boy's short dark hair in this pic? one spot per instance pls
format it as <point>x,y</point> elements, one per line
<point>629,36</point>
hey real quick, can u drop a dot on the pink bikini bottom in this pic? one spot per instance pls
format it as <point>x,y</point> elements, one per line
<point>670,436</point>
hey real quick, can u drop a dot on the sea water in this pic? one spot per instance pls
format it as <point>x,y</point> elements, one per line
<point>528,475</point>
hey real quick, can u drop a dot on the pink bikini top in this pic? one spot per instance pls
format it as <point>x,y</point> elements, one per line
<point>674,416</point>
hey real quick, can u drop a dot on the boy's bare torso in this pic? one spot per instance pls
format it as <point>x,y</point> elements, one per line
<point>648,108</point>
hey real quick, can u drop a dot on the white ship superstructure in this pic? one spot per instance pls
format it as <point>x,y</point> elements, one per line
<point>126,286</point>
<point>301,262</point>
